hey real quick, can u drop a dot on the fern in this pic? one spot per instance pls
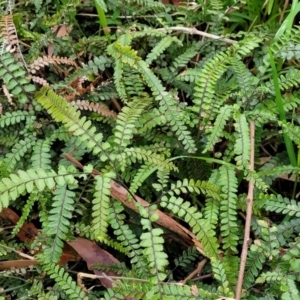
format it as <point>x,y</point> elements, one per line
<point>59,222</point>
<point>217,130</point>
<point>242,144</point>
<point>228,218</point>
<point>18,152</point>
<point>64,281</point>
<point>13,76</point>
<point>25,211</point>
<point>126,237</point>
<point>101,203</point>
<point>63,112</point>
<point>126,121</point>
<point>200,227</point>
<point>41,157</point>
<point>167,104</point>
<point>160,47</point>
<point>219,274</point>
<point>152,242</point>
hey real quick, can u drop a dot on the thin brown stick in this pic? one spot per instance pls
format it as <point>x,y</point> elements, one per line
<point>246,243</point>
<point>198,270</point>
<point>198,32</point>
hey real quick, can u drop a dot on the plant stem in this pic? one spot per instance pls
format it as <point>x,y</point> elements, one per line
<point>248,216</point>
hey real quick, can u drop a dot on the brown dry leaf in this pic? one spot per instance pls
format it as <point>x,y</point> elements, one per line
<point>28,232</point>
<point>63,30</point>
<point>93,254</point>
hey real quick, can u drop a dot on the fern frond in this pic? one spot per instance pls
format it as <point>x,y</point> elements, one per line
<point>292,131</point>
<point>188,256</point>
<point>242,145</point>
<point>66,113</point>
<point>25,181</point>
<point>96,107</point>
<point>152,242</point>
<point>285,45</point>
<point>283,205</point>
<point>41,62</point>
<point>217,130</point>
<point>33,197</point>
<point>141,175</point>
<point>161,46</point>
<point>193,217</point>
<point>141,154</point>
<point>41,157</point>
<point>126,237</point>
<point>254,264</point>
<point>219,274</point>
<point>99,63</point>
<point>64,280</point>
<point>191,186</point>
<point>101,203</point>
<point>205,84</point>
<point>8,30</point>
<point>59,222</point>
<point>14,77</point>
<point>228,218</point>
<point>126,122</point>
<point>18,151</point>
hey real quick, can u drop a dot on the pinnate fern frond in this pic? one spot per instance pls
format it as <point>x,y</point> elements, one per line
<point>126,122</point>
<point>254,265</point>
<point>26,181</point>
<point>59,222</point>
<point>141,154</point>
<point>96,107</point>
<point>126,237</point>
<point>242,145</point>
<point>101,204</point>
<point>64,280</point>
<point>142,174</point>
<point>41,157</point>
<point>228,218</point>
<point>217,130</point>
<point>193,217</point>
<point>18,151</point>
<point>292,131</point>
<point>15,117</point>
<point>161,47</point>
<point>14,77</point>
<point>283,205</point>
<point>192,186</point>
<point>33,197</point>
<point>66,113</point>
<point>152,242</point>
<point>220,275</point>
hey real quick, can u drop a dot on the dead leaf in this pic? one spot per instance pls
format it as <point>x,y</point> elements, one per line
<point>94,254</point>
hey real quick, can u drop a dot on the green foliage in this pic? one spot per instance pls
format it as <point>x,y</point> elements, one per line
<point>163,116</point>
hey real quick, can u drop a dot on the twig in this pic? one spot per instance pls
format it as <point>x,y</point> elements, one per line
<point>196,271</point>
<point>198,32</point>
<point>248,217</point>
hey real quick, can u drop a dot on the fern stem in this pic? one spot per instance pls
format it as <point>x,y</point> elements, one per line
<point>248,216</point>
<point>279,103</point>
